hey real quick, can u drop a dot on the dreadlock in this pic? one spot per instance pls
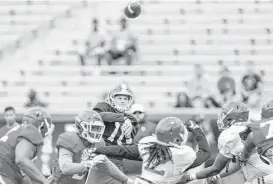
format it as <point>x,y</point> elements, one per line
<point>158,154</point>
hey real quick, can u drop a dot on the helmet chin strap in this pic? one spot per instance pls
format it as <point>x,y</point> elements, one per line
<point>48,135</point>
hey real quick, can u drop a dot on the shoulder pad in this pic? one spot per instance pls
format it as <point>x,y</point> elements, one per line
<point>147,139</point>
<point>30,133</point>
<point>70,141</point>
<point>102,107</point>
<point>186,153</point>
<point>229,140</point>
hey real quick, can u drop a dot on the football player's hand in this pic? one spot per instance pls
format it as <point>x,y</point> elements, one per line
<point>88,154</point>
<point>99,159</point>
<point>213,179</point>
<point>185,179</point>
<point>127,127</point>
<point>129,181</point>
<point>51,180</point>
<point>25,180</point>
<point>191,125</point>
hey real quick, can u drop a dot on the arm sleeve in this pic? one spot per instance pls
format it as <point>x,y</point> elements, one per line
<point>101,107</point>
<point>125,151</point>
<point>204,150</point>
<point>230,169</point>
<point>105,111</point>
<point>111,117</point>
<point>66,163</point>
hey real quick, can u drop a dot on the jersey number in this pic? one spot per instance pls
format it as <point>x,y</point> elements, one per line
<point>270,129</point>
<point>114,133</point>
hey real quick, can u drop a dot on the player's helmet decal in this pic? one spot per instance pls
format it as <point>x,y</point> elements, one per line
<point>90,126</point>
<point>121,89</point>
<point>41,119</point>
<point>171,130</point>
<point>267,110</point>
<point>231,113</point>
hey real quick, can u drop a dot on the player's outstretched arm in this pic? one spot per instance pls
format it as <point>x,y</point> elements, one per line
<point>125,151</point>
<point>220,162</point>
<point>204,150</point>
<point>230,169</point>
<point>105,112</point>
<point>24,153</point>
<point>66,163</point>
<point>111,117</point>
<point>248,148</point>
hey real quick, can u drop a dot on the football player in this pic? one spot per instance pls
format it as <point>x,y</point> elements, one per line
<point>73,162</point>
<point>233,119</point>
<point>254,171</point>
<point>20,146</point>
<point>118,124</point>
<point>165,156</point>
<point>260,134</point>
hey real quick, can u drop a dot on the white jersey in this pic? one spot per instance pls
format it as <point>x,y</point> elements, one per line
<point>230,145</point>
<point>170,172</point>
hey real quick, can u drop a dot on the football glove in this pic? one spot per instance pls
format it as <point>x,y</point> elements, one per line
<point>191,125</point>
<point>99,159</point>
<point>127,128</point>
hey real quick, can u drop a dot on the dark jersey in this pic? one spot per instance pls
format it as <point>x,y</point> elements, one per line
<point>8,167</point>
<point>262,134</point>
<point>72,142</point>
<point>113,121</point>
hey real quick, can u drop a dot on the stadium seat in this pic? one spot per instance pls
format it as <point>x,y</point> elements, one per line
<point>171,40</point>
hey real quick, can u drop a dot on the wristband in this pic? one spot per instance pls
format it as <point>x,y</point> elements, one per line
<point>193,176</point>
<point>127,181</point>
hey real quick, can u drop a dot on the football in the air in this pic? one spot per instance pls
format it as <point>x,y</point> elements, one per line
<point>132,10</point>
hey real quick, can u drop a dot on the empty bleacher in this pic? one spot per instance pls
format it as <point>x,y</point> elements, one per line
<point>171,40</point>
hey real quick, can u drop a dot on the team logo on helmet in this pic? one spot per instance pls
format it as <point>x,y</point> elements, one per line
<point>90,126</point>
<point>121,89</point>
<point>231,113</point>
